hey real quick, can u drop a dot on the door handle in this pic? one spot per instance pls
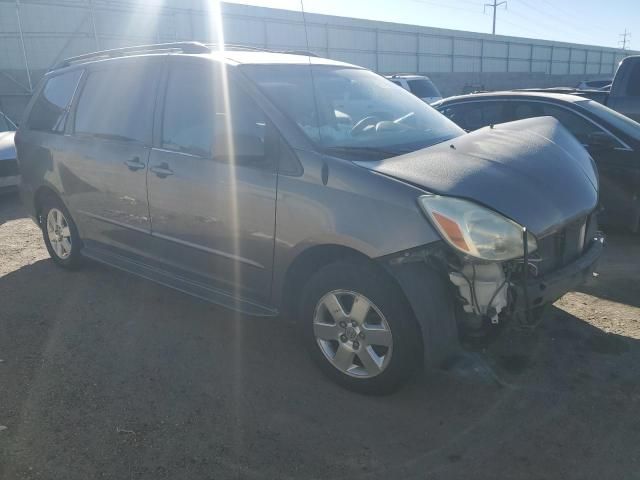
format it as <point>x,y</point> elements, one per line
<point>134,164</point>
<point>162,170</point>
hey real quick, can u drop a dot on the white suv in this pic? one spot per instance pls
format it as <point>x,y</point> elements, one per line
<point>421,86</point>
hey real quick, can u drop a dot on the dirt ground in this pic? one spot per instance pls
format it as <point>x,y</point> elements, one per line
<point>107,376</point>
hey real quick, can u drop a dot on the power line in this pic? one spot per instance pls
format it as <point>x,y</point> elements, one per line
<point>543,15</point>
<point>624,40</point>
<point>495,6</point>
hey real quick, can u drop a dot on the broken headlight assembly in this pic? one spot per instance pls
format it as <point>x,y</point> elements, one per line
<point>476,230</point>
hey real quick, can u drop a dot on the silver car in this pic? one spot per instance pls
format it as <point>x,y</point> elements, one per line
<point>9,174</point>
<point>256,180</point>
<point>421,86</point>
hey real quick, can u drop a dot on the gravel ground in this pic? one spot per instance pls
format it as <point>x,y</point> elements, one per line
<point>106,376</point>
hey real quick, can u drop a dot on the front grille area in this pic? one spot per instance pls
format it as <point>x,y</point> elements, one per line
<point>562,247</point>
<point>8,168</point>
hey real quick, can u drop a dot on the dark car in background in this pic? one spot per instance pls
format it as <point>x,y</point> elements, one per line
<point>256,180</point>
<point>612,139</point>
<point>9,172</point>
<point>623,92</point>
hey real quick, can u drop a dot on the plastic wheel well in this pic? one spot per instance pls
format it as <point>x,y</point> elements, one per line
<point>312,260</point>
<point>41,194</point>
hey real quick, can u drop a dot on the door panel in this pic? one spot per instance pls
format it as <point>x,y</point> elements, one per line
<point>214,221</point>
<point>212,183</point>
<point>105,169</point>
<point>619,171</point>
<point>106,183</point>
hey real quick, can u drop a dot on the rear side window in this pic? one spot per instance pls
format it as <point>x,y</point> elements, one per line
<point>196,119</point>
<point>117,104</point>
<point>474,115</point>
<point>50,110</point>
<point>423,88</point>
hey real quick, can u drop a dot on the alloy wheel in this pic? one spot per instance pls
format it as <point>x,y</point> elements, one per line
<point>59,233</point>
<point>352,333</point>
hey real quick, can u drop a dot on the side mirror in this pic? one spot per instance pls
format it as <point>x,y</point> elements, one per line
<point>600,140</point>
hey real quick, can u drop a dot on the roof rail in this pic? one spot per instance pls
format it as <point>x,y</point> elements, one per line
<point>250,48</point>
<point>185,47</point>
<point>232,46</point>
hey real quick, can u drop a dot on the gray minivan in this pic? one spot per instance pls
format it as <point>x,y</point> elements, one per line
<point>256,180</point>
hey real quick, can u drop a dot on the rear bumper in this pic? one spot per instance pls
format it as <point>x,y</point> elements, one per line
<point>549,288</point>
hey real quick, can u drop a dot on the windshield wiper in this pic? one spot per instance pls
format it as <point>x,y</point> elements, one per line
<point>113,136</point>
<point>368,151</point>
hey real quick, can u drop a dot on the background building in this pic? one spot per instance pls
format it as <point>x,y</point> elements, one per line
<point>38,33</point>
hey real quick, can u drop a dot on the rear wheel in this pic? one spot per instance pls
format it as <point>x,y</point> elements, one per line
<point>60,234</point>
<point>360,329</point>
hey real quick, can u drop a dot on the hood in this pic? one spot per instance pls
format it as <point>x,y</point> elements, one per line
<point>532,171</point>
<point>7,146</point>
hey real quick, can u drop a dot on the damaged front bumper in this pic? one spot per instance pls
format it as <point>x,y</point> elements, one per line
<point>550,287</point>
<point>453,301</point>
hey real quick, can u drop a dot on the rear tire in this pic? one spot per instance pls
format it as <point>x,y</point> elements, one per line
<point>60,234</point>
<point>359,328</point>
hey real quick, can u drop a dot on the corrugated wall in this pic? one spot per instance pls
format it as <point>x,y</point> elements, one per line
<point>37,33</point>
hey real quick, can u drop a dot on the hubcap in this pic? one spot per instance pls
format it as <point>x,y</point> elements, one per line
<point>59,233</point>
<point>353,334</point>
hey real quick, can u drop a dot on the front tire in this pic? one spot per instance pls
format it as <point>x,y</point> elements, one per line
<point>60,234</point>
<point>359,328</point>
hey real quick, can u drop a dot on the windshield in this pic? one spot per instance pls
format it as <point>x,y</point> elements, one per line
<point>423,88</point>
<point>4,124</point>
<point>352,108</point>
<point>619,121</point>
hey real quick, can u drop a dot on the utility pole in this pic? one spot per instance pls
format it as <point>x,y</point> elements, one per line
<point>624,40</point>
<point>495,6</point>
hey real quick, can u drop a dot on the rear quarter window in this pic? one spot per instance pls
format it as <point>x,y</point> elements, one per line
<point>423,88</point>
<point>49,112</point>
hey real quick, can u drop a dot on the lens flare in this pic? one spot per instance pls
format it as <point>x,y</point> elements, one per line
<point>216,30</point>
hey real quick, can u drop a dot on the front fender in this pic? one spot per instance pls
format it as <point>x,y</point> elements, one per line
<point>431,297</point>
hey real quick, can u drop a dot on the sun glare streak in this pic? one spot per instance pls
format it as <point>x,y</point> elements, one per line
<point>143,24</point>
<point>216,26</point>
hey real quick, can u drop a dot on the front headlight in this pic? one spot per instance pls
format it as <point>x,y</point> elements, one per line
<point>476,230</point>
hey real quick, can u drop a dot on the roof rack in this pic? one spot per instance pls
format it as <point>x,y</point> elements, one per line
<point>250,48</point>
<point>185,47</point>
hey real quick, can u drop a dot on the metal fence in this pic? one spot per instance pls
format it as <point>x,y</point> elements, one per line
<point>38,33</point>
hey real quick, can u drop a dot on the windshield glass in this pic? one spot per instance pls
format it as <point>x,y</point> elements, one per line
<point>4,125</point>
<point>423,88</point>
<point>619,121</point>
<point>352,108</point>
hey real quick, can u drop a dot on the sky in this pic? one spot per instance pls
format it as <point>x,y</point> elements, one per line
<point>592,22</point>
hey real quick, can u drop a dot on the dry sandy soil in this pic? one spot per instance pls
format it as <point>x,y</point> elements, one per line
<point>107,376</point>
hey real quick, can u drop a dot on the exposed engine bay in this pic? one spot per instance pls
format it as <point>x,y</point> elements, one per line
<point>483,289</point>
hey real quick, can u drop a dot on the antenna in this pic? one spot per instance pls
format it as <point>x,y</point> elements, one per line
<point>313,83</point>
<point>304,22</point>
